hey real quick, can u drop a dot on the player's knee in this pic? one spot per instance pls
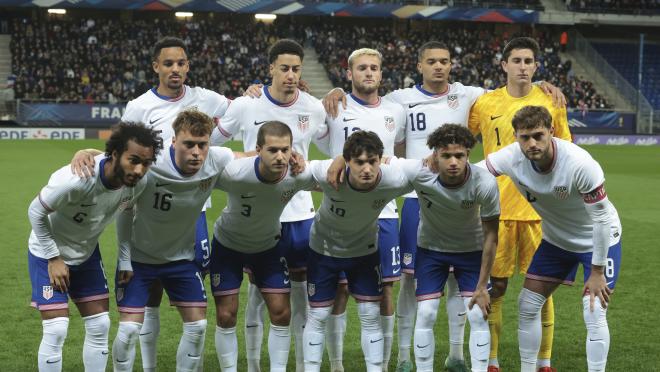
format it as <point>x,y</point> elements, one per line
<point>55,331</point>
<point>129,332</point>
<point>317,317</point>
<point>97,327</point>
<point>596,318</point>
<point>498,287</point>
<point>225,318</point>
<point>280,315</point>
<point>195,330</point>
<point>369,314</point>
<point>529,304</point>
<point>476,317</point>
<point>427,312</point>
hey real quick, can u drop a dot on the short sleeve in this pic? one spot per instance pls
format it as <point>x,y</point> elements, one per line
<point>473,93</point>
<point>589,178</point>
<point>132,113</point>
<point>400,125</point>
<point>560,121</point>
<point>474,121</point>
<point>489,197</point>
<point>230,124</point>
<point>499,162</point>
<point>63,189</point>
<point>221,156</point>
<point>409,167</point>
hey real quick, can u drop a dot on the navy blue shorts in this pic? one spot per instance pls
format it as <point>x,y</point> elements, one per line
<point>87,282</point>
<point>364,275</point>
<point>432,269</point>
<point>202,252</point>
<point>408,234</point>
<point>553,264</point>
<point>388,247</point>
<point>269,269</point>
<point>182,281</point>
<point>295,240</point>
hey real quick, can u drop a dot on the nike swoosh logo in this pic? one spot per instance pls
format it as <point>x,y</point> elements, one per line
<point>411,106</point>
<point>53,361</point>
<point>144,334</point>
<point>461,314</point>
<point>259,122</point>
<point>424,193</point>
<point>374,341</point>
<point>153,121</point>
<point>87,205</point>
<point>349,119</point>
<point>336,200</point>
<point>421,347</point>
<point>251,325</point>
<point>495,117</point>
<point>248,196</point>
<point>482,345</point>
<point>121,361</point>
<point>610,282</point>
<point>162,184</point>
<point>396,270</point>
<point>547,325</point>
<point>192,356</point>
<point>600,339</point>
<point>105,352</point>
<point>314,344</point>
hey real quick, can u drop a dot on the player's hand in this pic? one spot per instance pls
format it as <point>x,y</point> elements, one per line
<point>331,101</point>
<point>58,273</point>
<point>596,285</point>
<point>336,171</point>
<point>430,162</point>
<point>253,91</point>
<point>302,85</point>
<point>124,277</point>
<point>481,298</point>
<point>558,97</point>
<point>82,164</point>
<point>297,163</point>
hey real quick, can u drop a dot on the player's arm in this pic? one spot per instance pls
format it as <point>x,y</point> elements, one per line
<point>229,125</point>
<point>560,123</point>
<point>481,297</point>
<point>82,164</point>
<point>124,233</point>
<point>337,169</point>
<point>331,101</point>
<point>474,119</point>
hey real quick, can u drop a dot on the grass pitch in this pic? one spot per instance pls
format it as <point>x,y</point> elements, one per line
<point>632,181</point>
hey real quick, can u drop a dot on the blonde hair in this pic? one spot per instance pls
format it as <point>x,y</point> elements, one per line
<point>364,52</point>
<point>194,121</point>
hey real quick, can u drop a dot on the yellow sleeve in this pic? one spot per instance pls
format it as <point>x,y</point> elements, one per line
<point>474,123</point>
<point>561,124</point>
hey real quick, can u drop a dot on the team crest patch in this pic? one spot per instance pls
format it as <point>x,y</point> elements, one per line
<point>287,195</point>
<point>379,203</point>
<point>311,289</point>
<point>215,280</point>
<point>452,101</point>
<point>47,292</point>
<point>467,204</point>
<point>205,184</point>
<point>561,192</point>
<point>389,123</point>
<point>303,123</point>
<point>120,294</point>
<point>407,258</point>
<point>125,202</point>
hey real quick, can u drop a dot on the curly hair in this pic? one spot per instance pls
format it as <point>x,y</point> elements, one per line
<point>449,134</point>
<point>130,131</point>
<point>360,142</point>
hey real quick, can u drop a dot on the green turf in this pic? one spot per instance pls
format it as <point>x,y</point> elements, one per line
<point>633,182</point>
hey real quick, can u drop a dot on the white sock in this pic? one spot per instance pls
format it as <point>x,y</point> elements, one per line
<point>52,340</point>
<point>279,342</point>
<point>456,310</point>
<point>226,346</point>
<point>313,337</point>
<point>149,338</point>
<point>598,334</point>
<point>334,338</point>
<point>406,307</point>
<point>299,306</point>
<point>254,327</point>
<point>191,346</point>
<point>371,335</point>
<point>387,325</point>
<point>479,338</point>
<point>123,349</point>
<point>427,311</point>
<point>95,347</point>
<point>540,363</point>
<point>529,328</point>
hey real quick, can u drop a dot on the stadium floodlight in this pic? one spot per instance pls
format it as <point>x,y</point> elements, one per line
<point>57,11</point>
<point>265,17</point>
<point>183,14</point>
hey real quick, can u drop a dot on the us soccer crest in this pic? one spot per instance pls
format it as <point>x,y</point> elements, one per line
<point>215,280</point>
<point>379,203</point>
<point>311,289</point>
<point>407,258</point>
<point>47,292</point>
<point>389,123</point>
<point>303,123</point>
<point>452,101</point>
<point>561,192</point>
<point>287,195</point>
<point>205,184</point>
<point>467,204</point>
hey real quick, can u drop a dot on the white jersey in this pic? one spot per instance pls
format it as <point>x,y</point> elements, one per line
<point>426,111</point>
<point>250,222</point>
<point>158,112</point>
<point>385,118</point>
<point>81,208</point>
<point>450,216</point>
<point>559,194</point>
<point>164,225</point>
<point>346,222</point>
<point>305,116</point>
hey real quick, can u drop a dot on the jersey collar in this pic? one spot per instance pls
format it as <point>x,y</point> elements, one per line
<point>281,104</point>
<point>154,90</point>
<point>102,177</point>
<point>364,103</point>
<point>431,94</point>
<point>257,160</point>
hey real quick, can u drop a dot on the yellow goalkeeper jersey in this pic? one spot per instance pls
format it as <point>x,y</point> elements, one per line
<point>491,116</point>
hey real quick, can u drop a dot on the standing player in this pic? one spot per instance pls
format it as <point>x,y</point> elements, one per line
<point>157,240</point>
<point>344,238</point>
<point>458,229</point>
<point>248,234</point>
<point>304,114</point>
<point>565,185</point>
<point>67,218</point>
<point>158,108</point>
<point>520,226</point>
<point>365,110</point>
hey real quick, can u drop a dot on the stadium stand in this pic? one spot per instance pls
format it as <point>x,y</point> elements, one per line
<point>514,4</point>
<point>624,58</point>
<point>614,6</point>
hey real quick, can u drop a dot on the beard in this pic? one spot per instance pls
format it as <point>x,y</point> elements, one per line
<point>361,89</point>
<point>120,174</point>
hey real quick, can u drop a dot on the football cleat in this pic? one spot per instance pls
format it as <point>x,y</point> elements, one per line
<point>455,365</point>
